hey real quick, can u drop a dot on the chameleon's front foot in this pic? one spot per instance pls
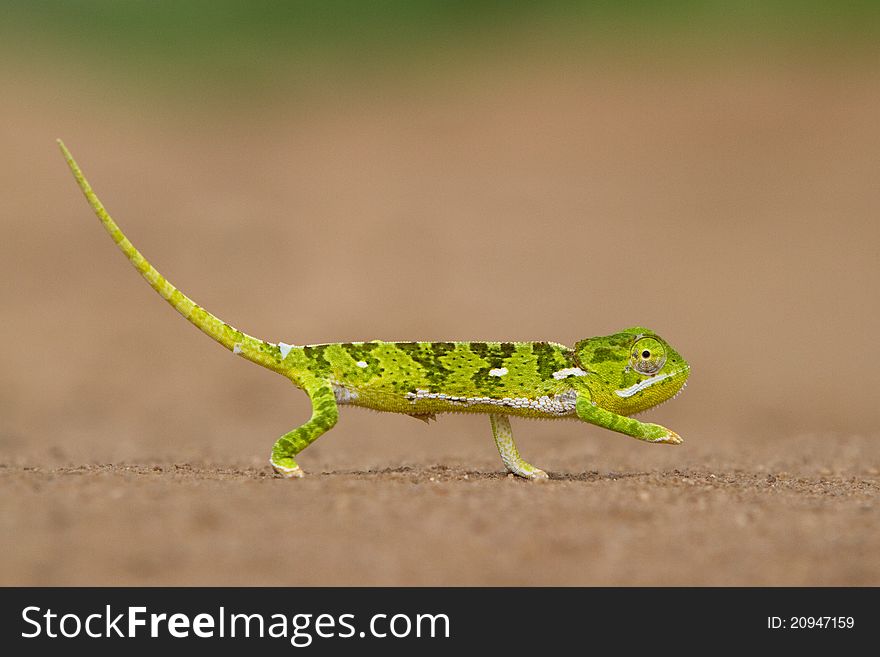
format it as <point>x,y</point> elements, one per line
<point>509,454</point>
<point>527,470</point>
<point>656,433</point>
<point>289,470</point>
<point>670,438</point>
<point>590,412</point>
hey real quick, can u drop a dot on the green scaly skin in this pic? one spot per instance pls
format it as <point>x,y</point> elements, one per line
<point>601,380</point>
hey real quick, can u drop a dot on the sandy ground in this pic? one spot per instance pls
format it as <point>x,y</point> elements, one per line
<point>732,209</point>
<point>439,525</point>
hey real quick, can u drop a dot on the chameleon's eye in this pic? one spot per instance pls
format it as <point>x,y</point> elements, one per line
<point>648,356</point>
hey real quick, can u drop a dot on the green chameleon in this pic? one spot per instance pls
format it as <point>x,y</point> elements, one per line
<point>600,380</point>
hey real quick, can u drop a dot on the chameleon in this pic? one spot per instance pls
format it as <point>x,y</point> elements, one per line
<point>600,380</point>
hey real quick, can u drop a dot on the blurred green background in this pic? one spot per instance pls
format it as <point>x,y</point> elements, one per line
<point>230,48</point>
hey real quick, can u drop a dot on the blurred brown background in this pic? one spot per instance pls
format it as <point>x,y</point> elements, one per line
<point>439,171</point>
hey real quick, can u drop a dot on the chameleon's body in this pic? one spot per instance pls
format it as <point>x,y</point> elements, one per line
<point>600,380</point>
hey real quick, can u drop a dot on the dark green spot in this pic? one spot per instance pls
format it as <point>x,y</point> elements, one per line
<point>550,360</point>
<point>604,354</point>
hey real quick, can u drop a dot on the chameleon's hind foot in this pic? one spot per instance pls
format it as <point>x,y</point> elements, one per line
<point>324,416</point>
<point>289,471</point>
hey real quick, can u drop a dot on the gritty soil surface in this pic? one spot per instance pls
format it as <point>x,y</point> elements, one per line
<point>196,524</point>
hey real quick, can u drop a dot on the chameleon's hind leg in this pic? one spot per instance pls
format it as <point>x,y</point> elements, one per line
<point>325,412</point>
<point>507,448</point>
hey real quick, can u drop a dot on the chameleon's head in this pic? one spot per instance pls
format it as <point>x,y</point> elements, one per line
<point>631,371</point>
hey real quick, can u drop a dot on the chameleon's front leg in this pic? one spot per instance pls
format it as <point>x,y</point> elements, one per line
<point>325,412</point>
<point>652,433</point>
<point>507,449</point>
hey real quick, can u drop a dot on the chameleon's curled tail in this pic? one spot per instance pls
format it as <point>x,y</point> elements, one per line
<point>263,353</point>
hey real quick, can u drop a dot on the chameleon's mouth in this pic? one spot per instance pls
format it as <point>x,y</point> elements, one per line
<point>685,371</point>
<point>647,383</point>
